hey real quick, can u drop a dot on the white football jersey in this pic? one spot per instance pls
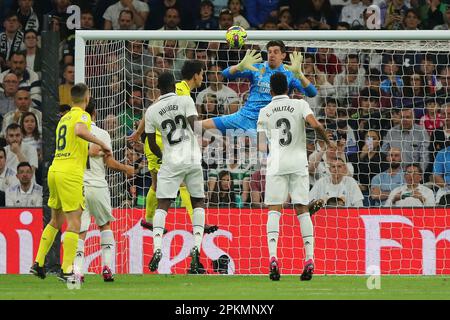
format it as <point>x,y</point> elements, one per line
<point>94,175</point>
<point>283,122</point>
<point>169,116</point>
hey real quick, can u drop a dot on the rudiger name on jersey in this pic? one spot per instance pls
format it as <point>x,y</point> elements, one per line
<point>172,107</point>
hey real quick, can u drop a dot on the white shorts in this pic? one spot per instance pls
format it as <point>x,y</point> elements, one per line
<point>98,205</point>
<point>169,182</point>
<point>278,187</point>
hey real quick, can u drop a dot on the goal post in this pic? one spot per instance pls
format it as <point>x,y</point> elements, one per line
<point>392,71</point>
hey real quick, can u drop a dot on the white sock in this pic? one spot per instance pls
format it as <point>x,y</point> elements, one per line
<point>107,243</point>
<point>273,230</point>
<point>159,222</point>
<point>79,258</point>
<point>307,229</point>
<point>198,226</point>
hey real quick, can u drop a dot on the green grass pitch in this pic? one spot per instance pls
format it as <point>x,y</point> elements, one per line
<point>175,287</point>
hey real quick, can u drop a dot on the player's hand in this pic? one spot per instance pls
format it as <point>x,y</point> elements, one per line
<point>134,137</point>
<point>251,57</point>
<point>296,63</point>
<point>106,150</point>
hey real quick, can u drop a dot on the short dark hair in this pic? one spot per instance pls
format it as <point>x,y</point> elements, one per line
<point>278,83</point>
<point>18,53</point>
<point>190,68</point>
<point>126,11</point>
<point>166,82</point>
<point>24,164</point>
<point>68,65</point>
<point>64,108</point>
<point>276,43</point>
<point>78,92</point>
<point>13,126</point>
<point>30,31</point>
<point>90,108</point>
<point>11,14</point>
<point>3,150</point>
<point>416,165</point>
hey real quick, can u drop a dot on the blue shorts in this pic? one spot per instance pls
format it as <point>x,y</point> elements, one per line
<point>234,121</point>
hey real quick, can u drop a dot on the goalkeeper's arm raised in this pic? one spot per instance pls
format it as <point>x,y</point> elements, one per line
<point>295,67</point>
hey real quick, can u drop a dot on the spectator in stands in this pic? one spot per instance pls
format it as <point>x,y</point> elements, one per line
<point>28,19</point>
<point>439,138</point>
<point>433,119</point>
<point>302,24</point>
<point>32,51</point>
<point>139,62</point>
<point>446,20</point>
<point>11,40</point>
<point>7,176</point>
<point>322,158</point>
<point>428,67</point>
<point>161,64</point>
<point>324,88</point>
<point>383,183</point>
<point>259,10</point>
<point>227,98</point>
<point>328,63</point>
<point>412,193</point>
<point>27,193</point>
<point>393,14</point>
<point>22,102</point>
<point>208,107</point>
<point>140,11</point>
<point>352,13</point>
<point>321,14</point>
<point>10,87</point>
<point>16,151</point>
<point>437,15</point>
<point>151,90</point>
<point>346,131</point>
<point>444,79</point>
<point>171,22</point>
<point>270,24</point>
<point>66,86</point>
<point>189,12</point>
<point>370,160</point>
<point>414,93</point>
<point>349,82</point>
<point>223,193</point>
<point>207,19</point>
<point>126,21</point>
<point>87,21</point>
<point>338,184</point>
<point>133,111</point>
<point>28,79</point>
<point>411,20</point>
<point>257,188</point>
<point>330,108</point>
<point>392,83</point>
<point>225,19</point>
<point>59,16</point>
<point>235,6</point>
<point>285,20</point>
<point>31,132</point>
<point>411,138</point>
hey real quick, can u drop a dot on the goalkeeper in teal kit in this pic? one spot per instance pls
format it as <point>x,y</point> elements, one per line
<point>252,68</point>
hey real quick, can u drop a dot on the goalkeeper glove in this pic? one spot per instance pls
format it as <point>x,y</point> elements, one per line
<point>251,57</point>
<point>296,64</point>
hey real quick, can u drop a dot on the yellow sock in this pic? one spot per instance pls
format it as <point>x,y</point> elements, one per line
<point>70,244</point>
<point>47,238</point>
<point>186,200</point>
<point>150,205</point>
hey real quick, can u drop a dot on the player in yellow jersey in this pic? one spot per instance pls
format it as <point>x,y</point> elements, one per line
<point>192,74</point>
<point>65,182</point>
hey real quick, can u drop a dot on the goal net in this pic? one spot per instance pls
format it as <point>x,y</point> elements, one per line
<point>385,101</point>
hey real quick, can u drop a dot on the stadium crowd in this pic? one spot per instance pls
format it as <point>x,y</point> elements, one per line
<point>388,111</point>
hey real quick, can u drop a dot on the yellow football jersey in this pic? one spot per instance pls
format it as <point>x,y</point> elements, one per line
<point>71,151</point>
<point>182,88</point>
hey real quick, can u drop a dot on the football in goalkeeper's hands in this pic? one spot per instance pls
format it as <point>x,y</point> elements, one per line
<point>236,36</point>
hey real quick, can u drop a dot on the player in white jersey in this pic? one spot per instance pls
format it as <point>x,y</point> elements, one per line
<point>98,200</point>
<point>282,124</point>
<point>174,116</point>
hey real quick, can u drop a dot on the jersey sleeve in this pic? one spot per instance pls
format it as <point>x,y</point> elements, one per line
<point>83,117</point>
<point>247,74</point>
<point>190,107</point>
<point>309,91</point>
<point>108,140</point>
<point>149,125</point>
<point>305,108</point>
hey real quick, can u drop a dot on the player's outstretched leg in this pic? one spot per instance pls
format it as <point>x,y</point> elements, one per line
<point>273,229</point>
<point>159,222</point>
